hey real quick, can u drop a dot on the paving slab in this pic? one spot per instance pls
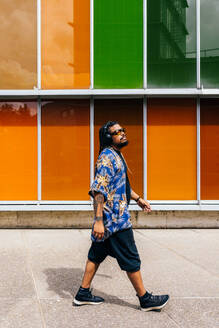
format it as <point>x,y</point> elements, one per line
<point>165,271</point>
<point>20,313</point>
<point>120,313</point>
<point>190,244</point>
<point>15,274</point>
<point>60,265</point>
<point>57,258</point>
<point>195,313</point>
<point>206,233</point>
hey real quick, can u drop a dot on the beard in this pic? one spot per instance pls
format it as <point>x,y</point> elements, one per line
<point>122,144</point>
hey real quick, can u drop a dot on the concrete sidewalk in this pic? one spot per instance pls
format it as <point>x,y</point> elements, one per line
<point>41,270</point>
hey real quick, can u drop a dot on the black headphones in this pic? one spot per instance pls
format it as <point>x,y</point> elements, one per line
<point>104,136</point>
<point>107,136</point>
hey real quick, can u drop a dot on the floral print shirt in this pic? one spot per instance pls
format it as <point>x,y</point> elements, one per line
<point>110,180</point>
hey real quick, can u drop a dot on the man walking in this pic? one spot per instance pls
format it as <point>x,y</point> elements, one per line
<point>112,230</point>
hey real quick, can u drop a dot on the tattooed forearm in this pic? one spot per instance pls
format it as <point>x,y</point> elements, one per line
<point>98,205</point>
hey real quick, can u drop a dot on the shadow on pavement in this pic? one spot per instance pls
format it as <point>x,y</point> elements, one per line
<point>66,281</point>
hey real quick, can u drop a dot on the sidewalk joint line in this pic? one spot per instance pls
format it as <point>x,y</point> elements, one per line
<point>32,275</point>
<point>176,323</point>
<point>126,298</point>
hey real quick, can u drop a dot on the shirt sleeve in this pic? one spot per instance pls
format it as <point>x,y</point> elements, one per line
<point>104,173</point>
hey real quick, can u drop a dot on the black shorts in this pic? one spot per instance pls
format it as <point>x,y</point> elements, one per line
<point>120,245</point>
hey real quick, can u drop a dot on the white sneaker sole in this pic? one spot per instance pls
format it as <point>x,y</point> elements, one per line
<point>75,302</point>
<point>154,308</point>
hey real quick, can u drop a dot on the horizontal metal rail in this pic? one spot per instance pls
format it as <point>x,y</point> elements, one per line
<point>39,206</point>
<point>35,93</point>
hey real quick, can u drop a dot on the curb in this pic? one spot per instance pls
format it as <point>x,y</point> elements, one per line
<point>83,219</point>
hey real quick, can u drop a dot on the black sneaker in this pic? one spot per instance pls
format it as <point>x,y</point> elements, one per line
<point>84,296</point>
<point>151,302</point>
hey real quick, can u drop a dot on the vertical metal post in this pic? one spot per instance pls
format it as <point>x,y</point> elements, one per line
<point>198,60</point>
<point>91,140</point>
<point>91,44</point>
<point>39,156</point>
<point>198,153</point>
<point>91,86</point>
<point>145,147</point>
<point>39,44</point>
<point>145,42</point>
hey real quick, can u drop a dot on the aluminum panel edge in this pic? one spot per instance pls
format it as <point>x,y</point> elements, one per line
<point>39,44</point>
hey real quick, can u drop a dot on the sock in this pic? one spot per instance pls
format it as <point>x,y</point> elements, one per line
<point>84,289</point>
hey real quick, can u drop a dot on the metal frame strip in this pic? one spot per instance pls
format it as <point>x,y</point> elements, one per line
<point>46,202</point>
<point>198,153</point>
<point>198,59</point>
<point>39,44</point>
<point>91,44</point>
<point>145,42</point>
<point>39,153</point>
<point>174,202</point>
<point>91,140</point>
<point>145,147</point>
<point>87,202</point>
<point>108,92</point>
<point>88,207</point>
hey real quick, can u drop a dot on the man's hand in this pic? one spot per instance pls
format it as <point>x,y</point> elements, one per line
<point>98,229</point>
<point>144,205</point>
<point>141,202</point>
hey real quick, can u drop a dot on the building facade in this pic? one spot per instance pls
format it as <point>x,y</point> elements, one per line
<point>67,67</point>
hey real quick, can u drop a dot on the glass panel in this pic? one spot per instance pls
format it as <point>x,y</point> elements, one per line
<point>18,156</point>
<point>209,43</point>
<point>65,142</point>
<point>171,149</point>
<point>18,60</point>
<point>65,44</point>
<point>118,44</point>
<point>171,43</point>
<point>209,149</point>
<point>129,114</point>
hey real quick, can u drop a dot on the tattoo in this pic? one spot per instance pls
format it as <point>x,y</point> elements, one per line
<point>98,205</point>
<point>99,198</point>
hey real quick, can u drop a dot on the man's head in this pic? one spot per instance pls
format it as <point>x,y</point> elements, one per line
<point>112,134</point>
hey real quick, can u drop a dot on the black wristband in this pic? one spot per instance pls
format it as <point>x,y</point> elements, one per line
<point>138,199</point>
<point>98,218</point>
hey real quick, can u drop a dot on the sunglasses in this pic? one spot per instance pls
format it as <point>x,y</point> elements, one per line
<point>118,132</point>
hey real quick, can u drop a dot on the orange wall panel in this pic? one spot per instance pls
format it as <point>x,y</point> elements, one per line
<point>65,150</point>
<point>210,149</point>
<point>18,40</point>
<point>65,44</point>
<point>171,153</point>
<point>129,114</point>
<point>18,156</point>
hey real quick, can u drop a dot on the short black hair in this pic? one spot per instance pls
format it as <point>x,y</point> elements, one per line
<point>105,141</point>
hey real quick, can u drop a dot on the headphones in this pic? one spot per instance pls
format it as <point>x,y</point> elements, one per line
<point>104,135</point>
<point>107,136</point>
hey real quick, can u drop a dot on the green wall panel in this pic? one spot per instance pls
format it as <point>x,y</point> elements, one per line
<point>210,43</point>
<point>171,43</point>
<point>118,43</point>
